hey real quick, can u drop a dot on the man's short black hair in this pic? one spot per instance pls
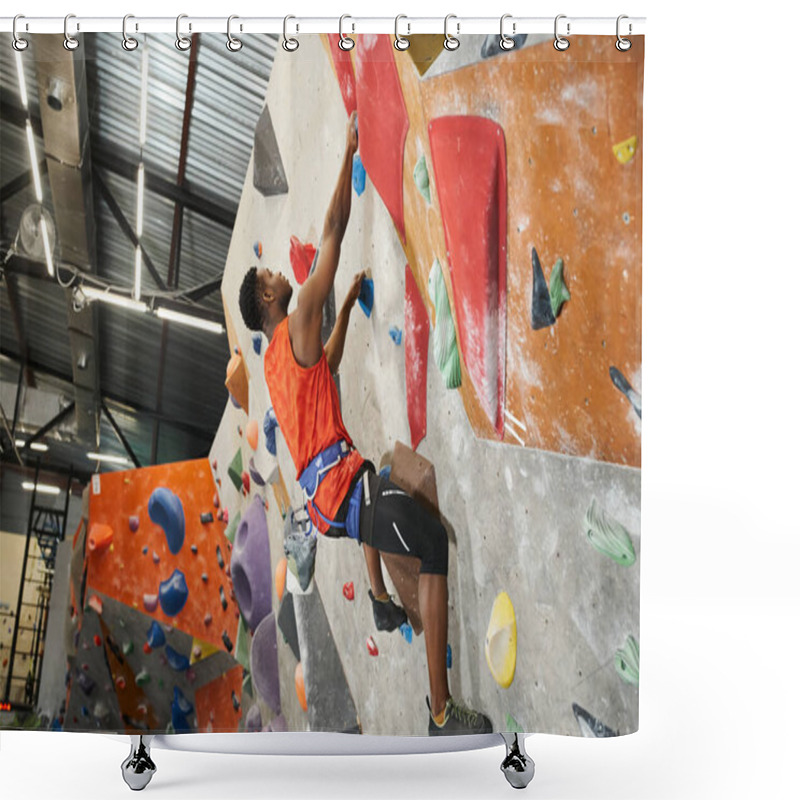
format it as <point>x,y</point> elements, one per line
<point>249,303</point>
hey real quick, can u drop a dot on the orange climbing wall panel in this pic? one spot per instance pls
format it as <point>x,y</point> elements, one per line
<point>569,197</point>
<point>125,573</point>
<point>215,699</point>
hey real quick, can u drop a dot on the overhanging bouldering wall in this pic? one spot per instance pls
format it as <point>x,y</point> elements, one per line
<point>534,429</point>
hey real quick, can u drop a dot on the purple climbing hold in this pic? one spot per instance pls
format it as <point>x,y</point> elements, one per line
<point>166,510</point>
<point>86,682</point>
<point>207,516</point>
<point>257,343</point>
<point>258,478</point>
<point>150,602</point>
<point>264,662</point>
<point>270,424</point>
<point>251,570</point>
<point>359,175</point>
<point>181,708</point>
<point>366,297</point>
<point>133,523</point>
<point>173,593</point>
<point>207,619</point>
<point>156,558</point>
<point>278,725</point>
<point>233,401</point>
<point>176,660</point>
<point>226,640</point>
<point>252,722</point>
<point>155,636</point>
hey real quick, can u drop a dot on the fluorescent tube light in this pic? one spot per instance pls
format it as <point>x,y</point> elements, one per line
<point>107,457</point>
<point>140,201</point>
<point>188,319</point>
<point>37,183</point>
<point>40,446</point>
<point>23,92</point>
<point>113,299</point>
<point>44,488</point>
<point>143,99</point>
<point>47,250</point>
<point>137,274</point>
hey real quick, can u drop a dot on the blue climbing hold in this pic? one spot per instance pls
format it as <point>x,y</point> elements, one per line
<point>396,334</point>
<point>386,471</point>
<point>449,658</point>
<point>173,593</point>
<point>155,636</point>
<point>359,175</point>
<point>270,424</point>
<point>233,401</point>
<point>366,296</point>
<point>177,661</point>
<point>257,343</point>
<point>257,249</point>
<point>166,510</point>
<point>408,633</point>
<point>181,708</point>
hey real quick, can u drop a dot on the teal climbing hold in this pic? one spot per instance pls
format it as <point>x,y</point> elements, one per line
<point>422,179</point>
<point>142,678</point>
<point>512,726</point>
<point>235,470</point>
<point>449,657</point>
<point>445,345</point>
<point>366,297</point>
<point>359,175</point>
<point>608,536</point>
<point>233,526</point>
<point>559,294</point>
<point>626,661</point>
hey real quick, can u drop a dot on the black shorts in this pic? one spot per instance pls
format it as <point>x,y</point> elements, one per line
<point>393,522</point>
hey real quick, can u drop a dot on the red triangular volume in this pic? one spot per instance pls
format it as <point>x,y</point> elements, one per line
<point>417,330</point>
<point>343,64</point>
<point>301,257</point>
<point>382,121</point>
<point>469,165</point>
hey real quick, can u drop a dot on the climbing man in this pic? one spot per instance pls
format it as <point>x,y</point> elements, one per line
<point>344,496</point>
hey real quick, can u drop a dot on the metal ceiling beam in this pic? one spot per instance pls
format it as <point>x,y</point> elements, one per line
<point>121,436</point>
<point>47,427</point>
<point>12,289</point>
<point>126,227</point>
<point>19,183</point>
<point>206,204</point>
<point>203,290</point>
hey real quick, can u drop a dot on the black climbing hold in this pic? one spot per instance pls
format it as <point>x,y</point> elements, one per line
<point>206,517</point>
<point>590,726</point>
<point>204,577</point>
<point>194,549</point>
<point>226,640</point>
<point>235,701</point>
<point>491,45</point>
<point>541,307</point>
<point>223,599</point>
<point>621,382</point>
<point>220,560</point>
<point>287,624</point>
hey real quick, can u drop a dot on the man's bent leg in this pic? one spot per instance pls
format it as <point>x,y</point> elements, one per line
<point>373,559</point>
<point>433,609</point>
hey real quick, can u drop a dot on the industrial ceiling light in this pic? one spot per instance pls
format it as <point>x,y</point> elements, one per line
<point>40,446</point>
<point>23,92</point>
<point>189,319</point>
<point>44,488</point>
<point>111,459</point>
<point>107,296</point>
<point>37,182</point>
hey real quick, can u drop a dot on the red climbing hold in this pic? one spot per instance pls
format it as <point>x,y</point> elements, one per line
<point>469,165</point>
<point>97,641</point>
<point>301,257</point>
<point>343,64</point>
<point>371,646</point>
<point>147,649</point>
<point>417,330</point>
<point>348,590</point>
<point>382,121</point>
<point>246,482</point>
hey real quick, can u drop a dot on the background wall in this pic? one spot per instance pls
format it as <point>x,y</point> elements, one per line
<point>720,600</point>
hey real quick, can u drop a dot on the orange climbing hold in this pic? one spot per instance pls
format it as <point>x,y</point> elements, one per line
<point>280,578</point>
<point>100,537</point>
<point>300,686</point>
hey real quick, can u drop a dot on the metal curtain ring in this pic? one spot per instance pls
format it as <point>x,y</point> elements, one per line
<point>233,44</point>
<point>451,42</point>
<point>560,43</point>
<point>70,42</point>
<point>507,42</point>
<point>289,44</point>
<point>623,44</point>
<point>18,43</point>
<point>181,42</point>
<point>345,42</point>
<point>128,42</point>
<point>400,42</point>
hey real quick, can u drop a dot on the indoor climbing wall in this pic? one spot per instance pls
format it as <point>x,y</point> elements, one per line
<point>496,208</point>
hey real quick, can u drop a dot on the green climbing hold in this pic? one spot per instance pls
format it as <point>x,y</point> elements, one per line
<point>242,652</point>
<point>142,678</point>
<point>512,726</point>
<point>608,536</point>
<point>233,526</point>
<point>445,346</point>
<point>127,648</point>
<point>559,294</point>
<point>626,661</point>
<point>235,470</point>
<point>422,179</point>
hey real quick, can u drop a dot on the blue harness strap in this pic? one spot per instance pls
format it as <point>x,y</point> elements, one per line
<point>312,476</point>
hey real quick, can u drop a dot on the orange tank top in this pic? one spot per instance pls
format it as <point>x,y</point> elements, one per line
<point>309,414</point>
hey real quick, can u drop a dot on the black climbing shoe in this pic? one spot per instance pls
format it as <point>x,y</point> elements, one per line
<point>458,719</point>
<point>388,616</point>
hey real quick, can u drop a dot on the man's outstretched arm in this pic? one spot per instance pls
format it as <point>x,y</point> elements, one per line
<point>306,328</point>
<point>334,347</point>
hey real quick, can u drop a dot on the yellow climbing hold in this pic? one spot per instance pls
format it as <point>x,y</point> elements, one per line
<point>201,650</point>
<point>624,151</point>
<point>501,641</point>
